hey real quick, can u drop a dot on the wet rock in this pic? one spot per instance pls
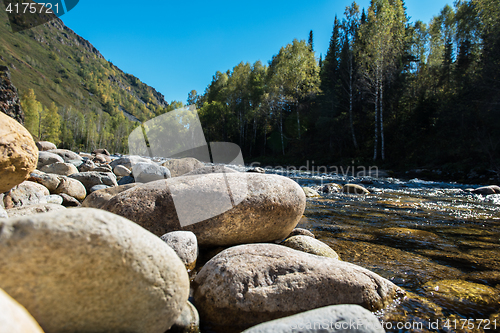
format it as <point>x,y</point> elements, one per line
<point>187,322</point>
<point>249,284</point>
<point>185,244</point>
<point>101,151</point>
<point>121,171</point>
<point>491,278</point>
<point>99,198</point>
<point>63,169</point>
<point>486,190</point>
<point>67,155</point>
<point>300,231</point>
<point>54,199</point>
<point>92,178</point>
<point>257,170</point>
<point>34,209</point>
<point>69,201</point>
<point>86,270</point>
<point>45,145</point>
<point>128,161</point>
<point>126,180</point>
<point>354,189</point>
<point>47,158</point>
<point>25,194</point>
<point>310,193</point>
<point>270,209</point>
<point>409,236</point>
<point>179,167</point>
<point>331,188</point>
<point>149,172</point>
<point>335,318</point>
<point>18,153</point>
<point>14,318</point>
<point>210,169</point>
<point>310,245</point>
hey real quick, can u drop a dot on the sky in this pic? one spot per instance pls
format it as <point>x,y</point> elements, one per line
<point>177,46</point>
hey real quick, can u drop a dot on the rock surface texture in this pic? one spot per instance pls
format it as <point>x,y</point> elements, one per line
<point>9,99</point>
<point>14,318</point>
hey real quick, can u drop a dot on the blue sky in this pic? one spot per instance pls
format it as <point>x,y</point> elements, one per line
<point>177,46</point>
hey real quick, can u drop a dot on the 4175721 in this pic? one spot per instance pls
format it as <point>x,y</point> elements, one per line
<point>32,8</point>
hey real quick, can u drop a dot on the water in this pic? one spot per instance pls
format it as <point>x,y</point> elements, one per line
<point>435,240</point>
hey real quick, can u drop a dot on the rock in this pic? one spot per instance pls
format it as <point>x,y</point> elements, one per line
<point>408,236</point>
<point>50,181</point>
<point>47,158</point>
<point>101,152</point>
<point>98,188</point>
<point>99,198</point>
<point>92,178</point>
<point>184,243</point>
<point>310,193</point>
<point>69,201</point>
<point>86,156</point>
<point>14,318</point>
<point>86,270</point>
<point>45,145</point>
<point>121,171</point>
<point>486,190</point>
<point>331,188</point>
<point>63,169</point>
<point>181,166</point>
<point>126,180</point>
<point>86,166</point>
<point>354,189</point>
<point>334,318</point>
<point>34,209</point>
<point>54,199</point>
<point>249,284</point>
<point>3,213</point>
<point>60,184</point>
<point>18,153</point>
<point>270,209</point>
<point>210,169</point>
<point>300,231</point>
<point>149,172</point>
<point>67,155</point>
<point>9,99</point>
<point>310,245</point>
<point>128,161</point>
<point>188,321</point>
<point>257,170</point>
<point>101,158</point>
<point>25,194</point>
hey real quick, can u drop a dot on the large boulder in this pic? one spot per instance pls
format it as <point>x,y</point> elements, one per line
<point>45,145</point>
<point>99,198</point>
<point>329,319</point>
<point>63,169</point>
<point>91,178</point>
<point>249,284</point>
<point>18,153</point>
<point>14,318</point>
<point>268,210</point>
<point>181,166</point>
<point>67,155</point>
<point>34,209</point>
<point>47,158</point>
<point>149,172</point>
<point>25,194</point>
<point>86,270</point>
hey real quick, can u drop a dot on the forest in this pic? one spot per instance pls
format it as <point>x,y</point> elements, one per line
<point>389,92</point>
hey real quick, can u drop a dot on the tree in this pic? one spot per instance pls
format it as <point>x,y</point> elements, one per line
<point>32,110</point>
<point>310,42</point>
<point>51,124</point>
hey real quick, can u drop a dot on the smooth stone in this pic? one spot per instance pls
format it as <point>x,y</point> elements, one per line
<point>14,318</point>
<point>102,168</point>
<point>249,284</point>
<point>86,270</point>
<point>63,169</point>
<point>188,321</point>
<point>126,180</point>
<point>310,193</point>
<point>92,178</point>
<point>54,199</point>
<point>121,171</point>
<point>60,184</point>
<point>210,169</point>
<point>18,153</point>
<point>69,201</point>
<point>486,190</point>
<point>185,244</point>
<point>34,209</point>
<point>50,181</point>
<point>45,145</point>
<point>101,151</point>
<point>24,194</point>
<point>179,167</point>
<point>257,170</point>
<point>101,158</point>
<point>98,188</point>
<point>47,158</point>
<point>76,163</point>
<point>149,172</point>
<point>128,161</point>
<point>3,212</point>
<point>86,166</point>
<point>331,188</point>
<point>86,155</point>
<point>301,231</point>
<point>329,319</point>
<point>310,245</point>
<point>271,209</point>
<point>67,155</point>
<point>354,189</point>
<point>99,198</point>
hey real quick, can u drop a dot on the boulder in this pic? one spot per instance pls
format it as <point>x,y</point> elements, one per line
<point>99,198</point>
<point>354,189</point>
<point>185,244</point>
<point>63,169</point>
<point>14,318</point>
<point>249,284</point>
<point>121,171</point>
<point>210,169</point>
<point>67,155</point>
<point>310,245</point>
<point>86,270</point>
<point>34,209</point>
<point>45,145</point>
<point>126,180</point>
<point>187,322</point>
<point>101,158</point>
<point>181,166</point>
<point>310,193</point>
<point>329,319</point>
<point>128,161</point>
<point>87,165</point>
<point>18,153</point>
<point>50,181</point>
<point>269,207</point>
<point>92,178</point>
<point>60,184</point>
<point>47,158</point>
<point>149,172</point>
<point>25,194</point>
<point>101,152</point>
<point>69,201</point>
<point>300,231</point>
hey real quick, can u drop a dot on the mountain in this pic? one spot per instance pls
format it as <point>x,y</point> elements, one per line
<point>98,104</point>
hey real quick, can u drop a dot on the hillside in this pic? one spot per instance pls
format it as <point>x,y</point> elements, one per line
<point>97,102</point>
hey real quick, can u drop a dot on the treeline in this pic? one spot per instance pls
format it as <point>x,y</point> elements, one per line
<point>398,93</point>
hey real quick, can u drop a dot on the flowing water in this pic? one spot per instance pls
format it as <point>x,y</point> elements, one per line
<point>435,240</point>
